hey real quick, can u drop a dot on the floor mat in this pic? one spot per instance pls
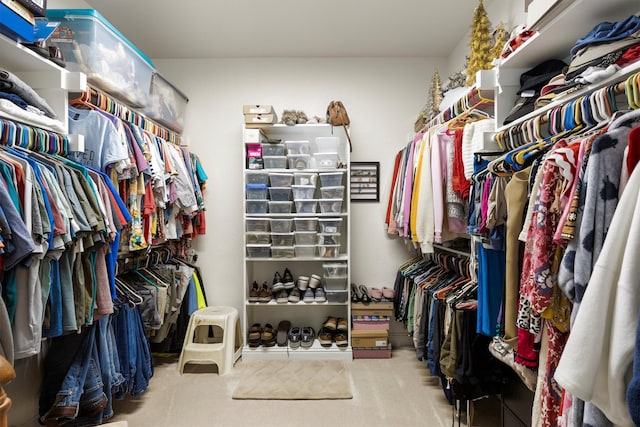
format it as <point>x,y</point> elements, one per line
<point>294,380</point>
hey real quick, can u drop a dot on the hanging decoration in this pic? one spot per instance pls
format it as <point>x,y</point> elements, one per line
<point>435,96</point>
<point>500,37</point>
<point>481,54</point>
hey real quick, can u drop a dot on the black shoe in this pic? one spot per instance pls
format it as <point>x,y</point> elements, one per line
<point>355,297</point>
<point>277,282</point>
<point>308,335</point>
<point>287,279</point>
<point>364,294</point>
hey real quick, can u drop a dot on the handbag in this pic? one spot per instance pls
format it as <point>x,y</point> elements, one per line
<point>337,116</point>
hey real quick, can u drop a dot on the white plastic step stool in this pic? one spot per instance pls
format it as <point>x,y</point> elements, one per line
<point>201,348</point>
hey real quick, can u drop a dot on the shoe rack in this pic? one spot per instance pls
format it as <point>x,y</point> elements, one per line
<point>275,214</point>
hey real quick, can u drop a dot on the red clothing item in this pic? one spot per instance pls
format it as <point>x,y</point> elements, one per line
<point>461,184</point>
<point>629,56</point>
<point>633,156</point>
<point>387,218</point>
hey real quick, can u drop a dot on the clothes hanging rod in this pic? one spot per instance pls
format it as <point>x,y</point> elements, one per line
<point>454,251</point>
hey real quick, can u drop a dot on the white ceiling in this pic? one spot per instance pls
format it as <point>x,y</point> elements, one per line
<point>289,28</point>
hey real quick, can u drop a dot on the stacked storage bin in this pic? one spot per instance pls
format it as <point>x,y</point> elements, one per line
<point>336,280</point>
<point>331,199</point>
<point>257,229</point>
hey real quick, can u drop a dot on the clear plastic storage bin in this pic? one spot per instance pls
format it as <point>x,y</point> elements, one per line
<point>326,144</point>
<point>303,192</point>
<point>331,179</point>
<point>166,104</point>
<point>334,269</point>
<point>329,238</point>
<point>299,161</point>
<point>326,160</point>
<point>282,239</point>
<point>306,224</point>
<point>257,177</point>
<point>280,207</point>
<point>283,252</point>
<point>275,162</point>
<point>305,251</point>
<point>257,225</point>
<point>337,283</point>
<point>280,179</point>
<point>280,194</point>
<point>306,206</point>
<point>298,147</point>
<point>329,251</point>
<point>330,225</point>
<point>332,192</point>
<point>305,178</point>
<point>257,206</point>
<point>272,149</point>
<point>256,192</point>
<point>281,225</point>
<point>258,251</point>
<point>337,296</point>
<point>258,238</point>
<point>305,237</point>
<point>331,205</point>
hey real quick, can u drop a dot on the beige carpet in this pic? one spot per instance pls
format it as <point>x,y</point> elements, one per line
<point>294,380</point>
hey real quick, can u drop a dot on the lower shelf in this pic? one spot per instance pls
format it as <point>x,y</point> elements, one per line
<point>315,352</point>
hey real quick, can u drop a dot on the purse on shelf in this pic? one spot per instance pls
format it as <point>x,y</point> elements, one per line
<point>337,116</point>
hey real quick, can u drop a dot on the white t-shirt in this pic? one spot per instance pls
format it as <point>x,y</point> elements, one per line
<point>102,143</point>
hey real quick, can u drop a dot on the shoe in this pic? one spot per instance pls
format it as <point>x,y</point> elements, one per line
<point>314,281</point>
<point>254,335</point>
<point>320,296</point>
<point>342,339</point>
<point>254,293</point>
<point>355,296</point>
<point>268,336</point>
<point>277,282</point>
<point>303,283</point>
<point>341,324</point>
<point>294,296</point>
<point>331,323</point>
<point>307,336</point>
<point>283,333</point>
<point>309,295</point>
<point>376,294</point>
<point>282,297</point>
<point>388,293</point>
<point>365,297</point>
<point>287,279</point>
<point>295,337</point>
<point>265,294</point>
<point>325,337</point>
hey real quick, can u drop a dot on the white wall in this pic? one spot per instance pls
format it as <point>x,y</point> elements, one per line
<point>383,98</point>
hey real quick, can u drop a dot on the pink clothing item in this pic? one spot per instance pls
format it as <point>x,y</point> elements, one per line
<point>438,176</point>
<point>104,303</point>
<point>551,392</point>
<point>566,200</point>
<point>406,196</point>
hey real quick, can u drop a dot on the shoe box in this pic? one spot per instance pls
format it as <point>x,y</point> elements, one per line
<point>369,339</point>
<point>383,308</point>
<point>256,115</point>
<point>372,353</point>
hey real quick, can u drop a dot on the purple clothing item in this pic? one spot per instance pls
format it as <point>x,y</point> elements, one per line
<point>141,161</point>
<point>408,180</point>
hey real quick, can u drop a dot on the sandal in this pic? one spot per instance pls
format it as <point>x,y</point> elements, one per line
<point>283,332</point>
<point>342,340</point>
<point>388,293</point>
<point>365,297</point>
<point>325,336</point>
<point>268,336</point>
<point>355,297</point>
<point>253,337</point>
<point>376,294</point>
<point>342,324</point>
<point>331,323</point>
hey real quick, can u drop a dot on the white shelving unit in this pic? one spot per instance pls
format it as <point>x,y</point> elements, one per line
<point>49,80</point>
<point>262,269</point>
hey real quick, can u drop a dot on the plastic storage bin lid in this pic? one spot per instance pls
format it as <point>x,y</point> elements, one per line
<point>70,14</point>
<point>257,186</point>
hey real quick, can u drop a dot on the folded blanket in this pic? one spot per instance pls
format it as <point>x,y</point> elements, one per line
<point>9,82</point>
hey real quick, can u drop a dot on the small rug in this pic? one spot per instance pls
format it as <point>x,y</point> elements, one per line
<point>294,380</point>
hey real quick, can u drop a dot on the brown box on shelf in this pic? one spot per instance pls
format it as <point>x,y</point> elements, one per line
<point>257,109</point>
<point>370,325</point>
<point>372,309</point>
<point>372,353</point>
<point>375,339</point>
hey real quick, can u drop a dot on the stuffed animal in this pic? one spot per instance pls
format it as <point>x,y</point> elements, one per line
<point>289,117</point>
<point>301,118</point>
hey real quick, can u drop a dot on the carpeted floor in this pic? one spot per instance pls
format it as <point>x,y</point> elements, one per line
<point>294,380</point>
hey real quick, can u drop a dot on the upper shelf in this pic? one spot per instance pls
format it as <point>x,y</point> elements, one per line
<point>555,39</point>
<point>16,58</point>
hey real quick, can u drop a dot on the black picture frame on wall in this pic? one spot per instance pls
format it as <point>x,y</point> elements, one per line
<point>364,181</point>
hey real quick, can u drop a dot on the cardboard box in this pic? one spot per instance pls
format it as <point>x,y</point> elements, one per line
<point>372,353</point>
<point>372,309</point>
<point>375,339</point>
<point>254,136</point>
<point>257,109</point>
<point>260,119</point>
<point>370,325</point>
<point>15,26</point>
